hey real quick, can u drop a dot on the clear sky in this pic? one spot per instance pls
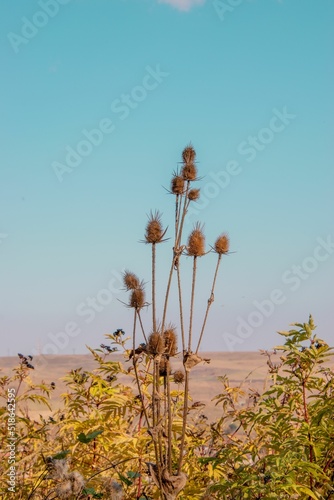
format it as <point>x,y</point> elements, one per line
<point>99,97</point>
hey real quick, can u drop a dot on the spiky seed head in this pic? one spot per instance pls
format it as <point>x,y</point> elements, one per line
<point>177,184</point>
<point>222,244</point>
<point>188,154</point>
<point>193,194</point>
<point>170,339</point>
<point>156,344</point>
<point>154,232</point>
<point>178,377</point>
<point>130,280</point>
<point>196,242</point>
<point>137,298</point>
<point>189,172</point>
<point>164,367</point>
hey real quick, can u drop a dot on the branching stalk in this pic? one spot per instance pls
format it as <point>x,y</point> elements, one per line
<point>193,283</point>
<point>210,300</point>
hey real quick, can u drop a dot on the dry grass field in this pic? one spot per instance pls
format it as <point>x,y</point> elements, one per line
<point>246,368</point>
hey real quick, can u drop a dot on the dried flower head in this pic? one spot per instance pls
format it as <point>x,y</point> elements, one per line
<point>193,194</point>
<point>156,344</point>
<point>177,184</point>
<point>64,490</point>
<point>77,481</point>
<point>222,244</point>
<point>164,367</point>
<point>188,154</point>
<point>58,468</point>
<point>137,298</point>
<point>170,339</point>
<point>196,242</point>
<point>130,280</point>
<point>113,489</point>
<point>189,172</point>
<point>154,232</point>
<point>70,484</point>
<point>178,377</point>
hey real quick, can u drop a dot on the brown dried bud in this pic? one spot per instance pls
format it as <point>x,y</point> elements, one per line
<point>178,377</point>
<point>189,172</point>
<point>196,242</point>
<point>177,184</point>
<point>156,344</point>
<point>164,367</point>
<point>170,339</point>
<point>188,154</point>
<point>154,231</point>
<point>193,194</point>
<point>222,244</point>
<point>130,280</point>
<point>137,299</point>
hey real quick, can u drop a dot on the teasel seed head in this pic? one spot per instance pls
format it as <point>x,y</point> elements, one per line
<point>130,280</point>
<point>154,232</point>
<point>189,172</point>
<point>177,184</point>
<point>193,194</point>
<point>170,339</point>
<point>222,244</point>
<point>188,154</point>
<point>196,242</point>
<point>156,344</point>
<point>178,377</point>
<point>164,367</point>
<point>137,298</point>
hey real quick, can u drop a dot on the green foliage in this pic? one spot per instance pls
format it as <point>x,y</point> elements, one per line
<point>274,445</point>
<point>283,444</point>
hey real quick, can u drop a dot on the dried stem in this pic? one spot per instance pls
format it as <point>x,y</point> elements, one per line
<point>141,325</point>
<point>184,420</point>
<point>170,420</point>
<point>210,300</point>
<point>181,309</point>
<point>134,362</point>
<point>193,283</point>
<point>153,289</point>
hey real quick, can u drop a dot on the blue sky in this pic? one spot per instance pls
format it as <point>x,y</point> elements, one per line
<point>99,99</point>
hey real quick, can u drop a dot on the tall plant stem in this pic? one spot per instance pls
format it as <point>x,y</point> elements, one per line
<point>156,403</point>
<point>178,205</point>
<point>193,283</point>
<point>184,212</point>
<point>184,420</point>
<point>141,325</point>
<point>170,420</point>
<point>210,300</point>
<point>134,362</point>
<point>181,308</point>
<point>154,321</point>
<point>167,295</point>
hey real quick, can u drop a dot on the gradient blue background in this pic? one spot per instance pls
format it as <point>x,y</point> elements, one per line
<point>61,242</point>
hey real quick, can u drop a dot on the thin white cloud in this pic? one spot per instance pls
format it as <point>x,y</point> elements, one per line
<point>184,5</point>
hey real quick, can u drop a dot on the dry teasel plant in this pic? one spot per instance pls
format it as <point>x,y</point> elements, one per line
<point>161,344</point>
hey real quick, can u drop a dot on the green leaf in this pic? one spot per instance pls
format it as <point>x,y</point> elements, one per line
<point>124,479</point>
<point>83,438</point>
<point>61,455</point>
<point>132,474</point>
<point>91,491</point>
